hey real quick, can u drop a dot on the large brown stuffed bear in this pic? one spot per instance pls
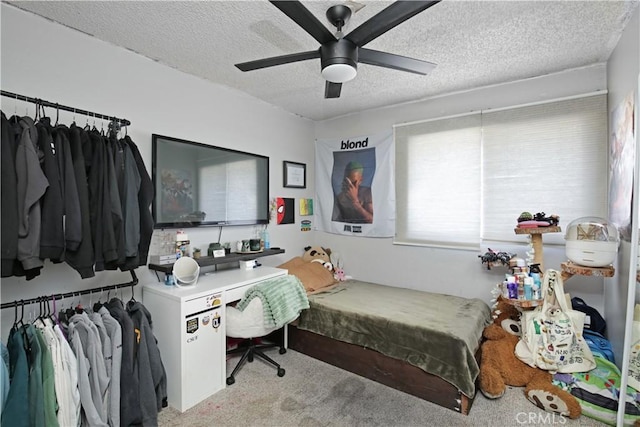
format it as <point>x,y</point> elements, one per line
<point>500,367</point>
<point>313,268</point>
<point>318,254</point>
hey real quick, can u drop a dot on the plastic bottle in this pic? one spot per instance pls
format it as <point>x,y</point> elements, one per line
<point>521,289</point>
<point>512,287</point>
<point>528,288</point>
<point>265,239</point>
<point>537,284</point>
<point>168,279</point>
<point>182,244</point>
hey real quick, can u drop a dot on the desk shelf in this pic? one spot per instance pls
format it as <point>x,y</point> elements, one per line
<point>206,261</point>
<point>523,303</point>
<point>569,269</point>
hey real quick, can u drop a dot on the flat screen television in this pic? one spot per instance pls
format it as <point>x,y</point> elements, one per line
<point>197,184</point>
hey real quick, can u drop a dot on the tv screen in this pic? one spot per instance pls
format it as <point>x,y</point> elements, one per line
<point>197,184</point>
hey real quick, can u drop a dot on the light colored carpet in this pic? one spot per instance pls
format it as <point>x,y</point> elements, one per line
<point>313,394</point>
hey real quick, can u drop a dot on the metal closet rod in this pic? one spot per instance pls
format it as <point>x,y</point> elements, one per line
<point>132,283</point>
<point>38,101</point>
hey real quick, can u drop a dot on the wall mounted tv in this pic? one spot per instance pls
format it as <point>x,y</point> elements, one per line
<point>198,184</point>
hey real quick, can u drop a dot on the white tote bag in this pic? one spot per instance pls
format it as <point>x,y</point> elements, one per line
<point>552,332</point>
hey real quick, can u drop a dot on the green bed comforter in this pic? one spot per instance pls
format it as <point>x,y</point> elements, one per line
<point>435,332</point>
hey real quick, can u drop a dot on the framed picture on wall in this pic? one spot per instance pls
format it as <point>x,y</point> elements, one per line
<point>295,174</point>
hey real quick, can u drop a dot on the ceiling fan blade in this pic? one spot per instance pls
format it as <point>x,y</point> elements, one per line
<point>388,18</point>
<point>396,62</point>
<point>305,19</point>
<point>332,90</point>
<point>278,60</point>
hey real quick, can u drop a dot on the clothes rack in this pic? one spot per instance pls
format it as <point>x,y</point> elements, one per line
<point>38,101</point>
<point>132,283</point>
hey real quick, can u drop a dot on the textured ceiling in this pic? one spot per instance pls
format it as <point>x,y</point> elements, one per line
<point>473,43</point>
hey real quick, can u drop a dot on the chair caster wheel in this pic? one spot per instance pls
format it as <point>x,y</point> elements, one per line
<point>281,372</point>
<point>231,380</point>
<point>250,358</point>
<point>282,350</point>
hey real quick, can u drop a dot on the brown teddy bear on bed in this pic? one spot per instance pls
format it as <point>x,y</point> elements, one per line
<point>499,367</point>
<point>313,268</point>
<point>318,254</point>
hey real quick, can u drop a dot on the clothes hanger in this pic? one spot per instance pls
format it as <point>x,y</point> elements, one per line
<point>133,298</point>
<point>70,311</point>
<point>54,316</point>
<point>51,314</point>
<point>15,118</point>
<point>23,329</point>
<point>43,112</point>
<point>79,309</point>
<point>15,315</point>
<point>94,128</point>
<point>20,323</point>
<point>98,305</point>
<point>39,316</point>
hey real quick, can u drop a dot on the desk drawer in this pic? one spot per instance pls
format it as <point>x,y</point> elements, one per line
<point>236,294</point>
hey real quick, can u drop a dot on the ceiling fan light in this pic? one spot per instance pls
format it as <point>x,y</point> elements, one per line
<point>339,73</point>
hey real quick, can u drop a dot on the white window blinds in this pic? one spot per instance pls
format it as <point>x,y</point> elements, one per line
<point>438,181</point>
<point>467,178</point>
<point>548,158</point>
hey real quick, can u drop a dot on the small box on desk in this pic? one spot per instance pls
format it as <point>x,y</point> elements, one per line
<point>248,265</point>
<point>162,259</point>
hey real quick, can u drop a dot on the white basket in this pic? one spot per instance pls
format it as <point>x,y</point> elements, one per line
<point>186,271</point>
<point>591,241</point>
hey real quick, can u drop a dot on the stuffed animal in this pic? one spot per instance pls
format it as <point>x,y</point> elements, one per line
<point>318,254</point>
<point>499,366</point>
<point>338,270</point>
<point>313,268</point>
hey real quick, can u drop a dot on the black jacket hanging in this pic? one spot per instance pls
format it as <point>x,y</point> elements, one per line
<point>130,209</point>
<point>130,411</point>
<point>104,242</point>
<point>69,187</point>
<point>81,259</point>
<point>31,185</point>
<point>9,205</point>
<point>52,204</point>
<point>145,198</point>
<point>115,203</point>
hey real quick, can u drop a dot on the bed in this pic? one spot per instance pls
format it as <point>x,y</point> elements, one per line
<point>421,343</point>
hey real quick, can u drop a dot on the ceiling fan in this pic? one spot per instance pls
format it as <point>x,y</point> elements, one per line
<point>339,56</point>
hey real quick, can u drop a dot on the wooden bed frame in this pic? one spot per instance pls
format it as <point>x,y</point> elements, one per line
<point>375,366</point>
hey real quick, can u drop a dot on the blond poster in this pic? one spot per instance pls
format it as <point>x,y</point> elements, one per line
<point>355,185</point>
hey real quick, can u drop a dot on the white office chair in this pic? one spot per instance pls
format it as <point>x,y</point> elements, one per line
<point>249,324</point>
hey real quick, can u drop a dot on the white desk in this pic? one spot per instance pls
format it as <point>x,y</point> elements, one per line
<point>188,323</point>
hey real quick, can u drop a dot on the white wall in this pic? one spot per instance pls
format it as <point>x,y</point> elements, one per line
<point>48,61</point>
<point>456,272</point>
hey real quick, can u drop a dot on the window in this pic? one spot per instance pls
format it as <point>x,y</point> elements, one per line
<point>465,179</point>
<point>437,182</point>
